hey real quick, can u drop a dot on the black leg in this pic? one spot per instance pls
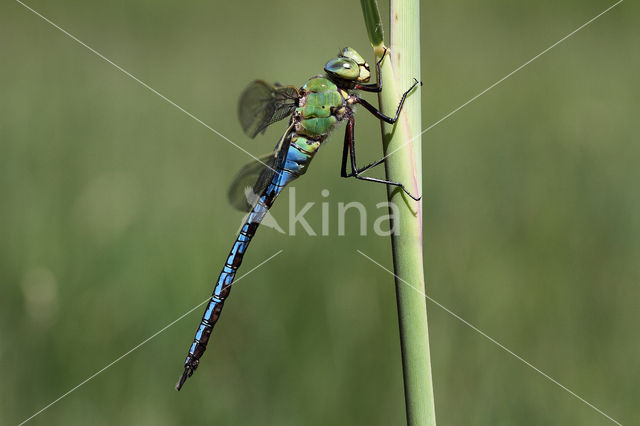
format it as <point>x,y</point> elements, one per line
<point>374,87</point>
<point>360,170</point>
<point>350,147</point>
<point>348,136</point>
<point>345,150</point>
<point>379,115</point>
<point>372,165</point>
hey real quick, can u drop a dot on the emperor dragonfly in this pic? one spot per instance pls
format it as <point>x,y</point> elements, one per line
<point>314,110</point>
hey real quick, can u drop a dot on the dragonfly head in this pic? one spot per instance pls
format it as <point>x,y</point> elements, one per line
<point>349,66</point>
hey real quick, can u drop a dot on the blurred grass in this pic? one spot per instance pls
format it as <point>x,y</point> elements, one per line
<point>114,219</point>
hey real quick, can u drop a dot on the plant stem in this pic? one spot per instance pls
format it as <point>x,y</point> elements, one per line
<point>400,67</point>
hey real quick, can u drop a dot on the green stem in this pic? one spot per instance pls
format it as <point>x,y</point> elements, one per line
<point>403,140</point>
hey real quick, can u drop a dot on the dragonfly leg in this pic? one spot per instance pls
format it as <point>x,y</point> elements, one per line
<point>350,149</point>
<point>349,141</point>
<point>372,165</point>
<point>374,87</point>
<point>378,114</point>
<point>360,170</point>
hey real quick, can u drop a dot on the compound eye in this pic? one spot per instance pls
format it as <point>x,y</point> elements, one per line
<point>343,68</point>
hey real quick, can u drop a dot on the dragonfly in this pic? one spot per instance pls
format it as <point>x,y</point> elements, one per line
<point>314,110</point>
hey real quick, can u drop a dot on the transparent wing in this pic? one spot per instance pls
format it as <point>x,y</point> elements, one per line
<point>262,104</point>
<point>254,178</point>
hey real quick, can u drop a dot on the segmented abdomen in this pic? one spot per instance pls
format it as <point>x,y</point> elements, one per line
<point>299,155</point>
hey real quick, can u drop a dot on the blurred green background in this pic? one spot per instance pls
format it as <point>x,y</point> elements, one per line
<point>114,220</point>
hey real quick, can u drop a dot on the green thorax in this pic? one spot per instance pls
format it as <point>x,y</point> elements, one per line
<point>321,107</point>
